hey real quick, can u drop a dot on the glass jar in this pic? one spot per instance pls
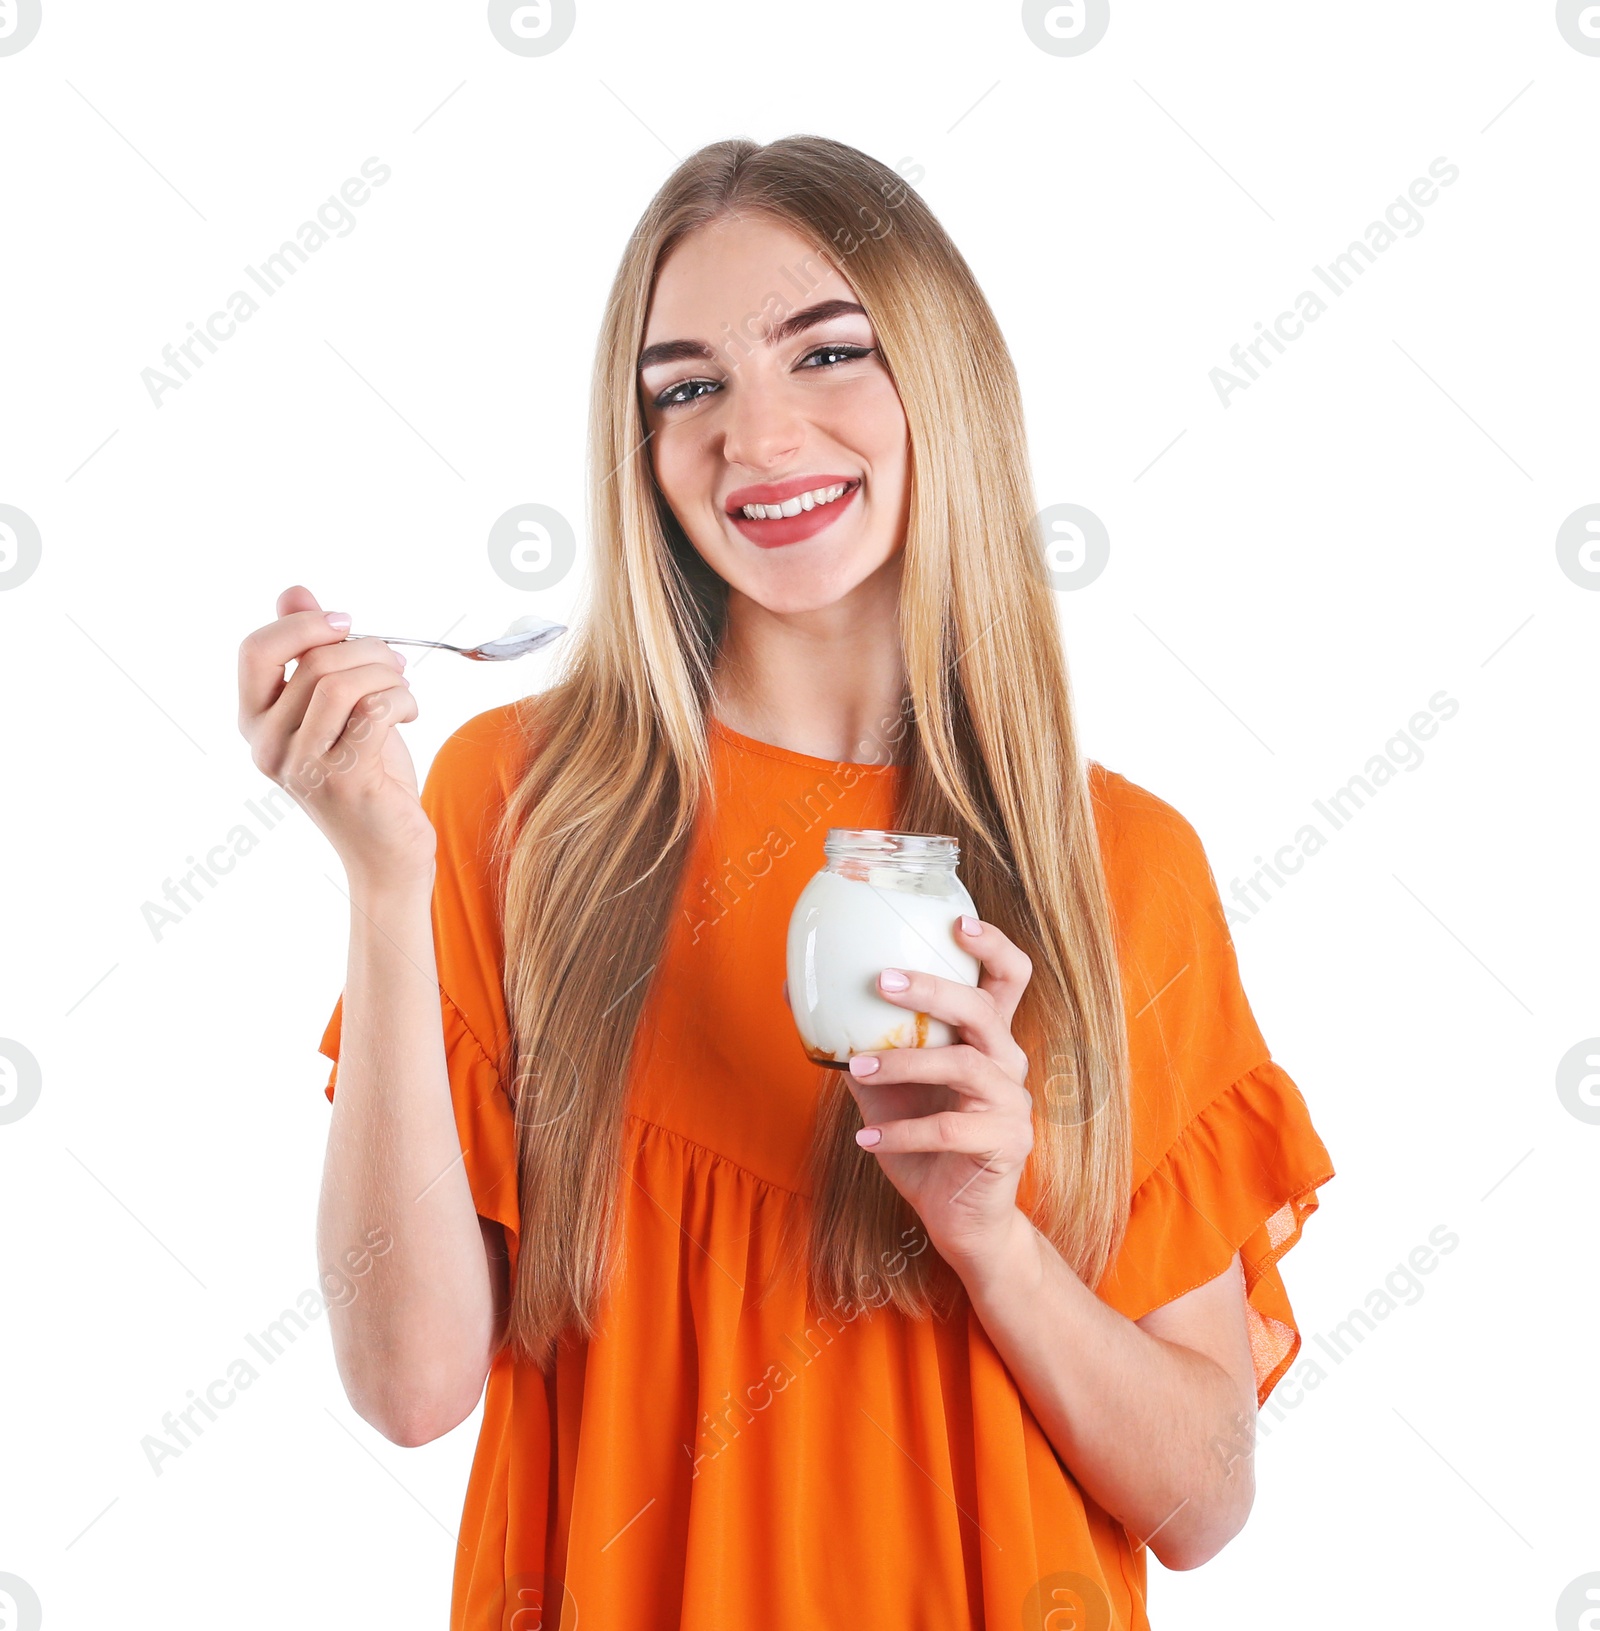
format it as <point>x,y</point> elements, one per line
<point>881,900</point>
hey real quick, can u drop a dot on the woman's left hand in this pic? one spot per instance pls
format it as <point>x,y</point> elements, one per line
<point>955,1123</point>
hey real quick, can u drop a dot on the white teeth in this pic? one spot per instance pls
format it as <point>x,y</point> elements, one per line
<point>793,506</point>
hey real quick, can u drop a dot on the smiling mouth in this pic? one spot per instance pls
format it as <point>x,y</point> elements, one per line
<point>796,505</point>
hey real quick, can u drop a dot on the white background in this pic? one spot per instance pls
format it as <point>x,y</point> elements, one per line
<point>1291,578</point>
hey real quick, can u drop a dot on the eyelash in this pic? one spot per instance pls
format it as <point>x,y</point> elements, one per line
<point>851,353</point>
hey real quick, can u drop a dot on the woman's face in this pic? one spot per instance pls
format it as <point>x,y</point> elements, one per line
<point>756,393</point>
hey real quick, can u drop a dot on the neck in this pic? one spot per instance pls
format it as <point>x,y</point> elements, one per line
<point>827,683</point>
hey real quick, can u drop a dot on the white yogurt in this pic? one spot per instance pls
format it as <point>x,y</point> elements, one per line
<point>845,931</point>
<point>522,629</point>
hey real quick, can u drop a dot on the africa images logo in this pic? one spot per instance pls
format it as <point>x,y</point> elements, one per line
<point>19,22</point>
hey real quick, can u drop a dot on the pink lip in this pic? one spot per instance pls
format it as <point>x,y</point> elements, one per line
<point>775,492</point>
<point>793,529</point>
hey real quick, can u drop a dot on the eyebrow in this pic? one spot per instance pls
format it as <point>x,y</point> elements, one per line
<point>795,323</point>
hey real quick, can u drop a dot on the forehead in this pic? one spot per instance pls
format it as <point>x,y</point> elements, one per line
<point>742,271</point>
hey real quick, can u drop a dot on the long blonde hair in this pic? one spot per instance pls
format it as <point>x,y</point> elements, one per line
<point>595,837</point>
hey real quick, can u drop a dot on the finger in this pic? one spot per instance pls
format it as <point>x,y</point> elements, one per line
<point>359,741</point>
<point>264,653</point>
<point>1000,1142</point>
<point>904,1075</point>
<point>289,710</point>
<point>368,729</point>
<point>894,1101</point>
<point>282,746</point>
<point>1007,968</point>
<point>969,1008</point>
<point>333,704</point>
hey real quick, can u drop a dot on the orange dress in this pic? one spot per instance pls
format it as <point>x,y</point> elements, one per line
<point>707,1461</point>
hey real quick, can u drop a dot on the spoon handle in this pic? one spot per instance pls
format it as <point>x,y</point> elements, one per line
<point>394,640</point>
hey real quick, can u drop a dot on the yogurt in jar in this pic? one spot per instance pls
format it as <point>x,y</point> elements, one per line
<point>881,900</point>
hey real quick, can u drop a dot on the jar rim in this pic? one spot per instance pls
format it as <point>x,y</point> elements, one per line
<point>884,845</point>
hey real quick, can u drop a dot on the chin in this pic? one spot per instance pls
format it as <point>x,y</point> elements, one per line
<point>791,588</point>
<point>798,604</point>
<point>784,582</point>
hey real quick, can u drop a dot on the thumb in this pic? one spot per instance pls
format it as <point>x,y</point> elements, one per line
<point>297,598</point>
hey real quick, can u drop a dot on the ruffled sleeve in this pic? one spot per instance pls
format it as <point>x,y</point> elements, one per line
<point>1226,1158</point>
<point>465,789</point>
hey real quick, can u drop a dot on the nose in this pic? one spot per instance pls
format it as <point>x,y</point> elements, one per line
<point>762,426</point>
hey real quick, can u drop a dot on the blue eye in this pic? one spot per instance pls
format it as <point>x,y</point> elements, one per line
<point>672,397</point>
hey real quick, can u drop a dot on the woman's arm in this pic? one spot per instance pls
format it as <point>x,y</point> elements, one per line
<point>414,1279</point>
<point>414,1343</point>
<point>1154,1417</point>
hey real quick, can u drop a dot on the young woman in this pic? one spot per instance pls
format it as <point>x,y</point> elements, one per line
<point>948,1339</point>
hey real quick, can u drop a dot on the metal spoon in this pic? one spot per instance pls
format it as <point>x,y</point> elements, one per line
<point>531,633</point>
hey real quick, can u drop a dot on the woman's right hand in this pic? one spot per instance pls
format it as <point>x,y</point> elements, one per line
<point>326,735</point>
